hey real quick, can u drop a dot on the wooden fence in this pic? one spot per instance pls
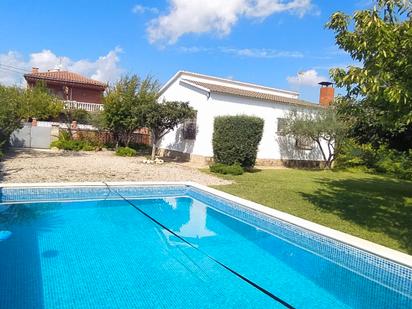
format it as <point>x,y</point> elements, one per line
<point>105,137</point>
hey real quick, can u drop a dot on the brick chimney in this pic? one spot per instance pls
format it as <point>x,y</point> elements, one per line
<point>327,93</point>
<point>34,70</point>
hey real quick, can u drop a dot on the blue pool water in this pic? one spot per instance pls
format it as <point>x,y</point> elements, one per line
<point>106,254</point>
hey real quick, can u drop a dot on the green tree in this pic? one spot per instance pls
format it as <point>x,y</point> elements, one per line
<point>323,127</point>
<point>10,112</point>
<point>124,104</point>
<point>37,102</point>
<point>161,118</point>
<point>379,90</point>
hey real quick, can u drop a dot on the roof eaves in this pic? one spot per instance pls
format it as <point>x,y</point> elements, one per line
<point>236,82</point>
<point>299,103</point>
<point>185,81</point>
<point>47,78</point>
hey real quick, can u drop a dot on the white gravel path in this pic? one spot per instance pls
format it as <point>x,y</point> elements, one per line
<point>57,166</point>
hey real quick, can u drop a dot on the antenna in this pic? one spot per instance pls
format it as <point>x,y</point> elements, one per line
<point>60,66</point>
<point>300,74</point>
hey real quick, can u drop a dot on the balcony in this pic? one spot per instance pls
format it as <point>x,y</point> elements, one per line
<point>90,107</point>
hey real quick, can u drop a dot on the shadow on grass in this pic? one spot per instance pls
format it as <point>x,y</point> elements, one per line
<point>379,205</point>
<point>253,170</point>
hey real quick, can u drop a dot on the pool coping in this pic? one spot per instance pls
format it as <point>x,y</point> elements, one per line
<point>362,244</point>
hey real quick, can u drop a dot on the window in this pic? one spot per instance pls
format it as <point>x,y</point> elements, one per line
<point>189,129</point>
<point>281,125</point>
<point>304,143</point>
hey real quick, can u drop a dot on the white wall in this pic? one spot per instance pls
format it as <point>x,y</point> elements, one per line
<point>271,147</point>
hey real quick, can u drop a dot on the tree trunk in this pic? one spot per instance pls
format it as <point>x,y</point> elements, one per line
<point>128,138</point>
<point>323,153</point>
<point>153,147</point>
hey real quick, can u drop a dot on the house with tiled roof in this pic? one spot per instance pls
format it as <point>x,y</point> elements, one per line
<point>76,90</point>
<point>213,96</point>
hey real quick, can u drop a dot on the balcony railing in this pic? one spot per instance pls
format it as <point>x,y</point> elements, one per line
<point>90,107</point>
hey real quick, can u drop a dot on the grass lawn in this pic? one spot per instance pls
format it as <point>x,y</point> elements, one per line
<point>376,208</point>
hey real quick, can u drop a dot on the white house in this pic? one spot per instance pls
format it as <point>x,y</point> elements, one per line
<point>212,96</point>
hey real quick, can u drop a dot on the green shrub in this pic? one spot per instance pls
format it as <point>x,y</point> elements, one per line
<point>395,163</point>
<point>126,152</point>
<point>352,154</point>
<point>73,145</point>
<point>65,142</point>
<point>381,160</point>
<point>10,113</point>
<point>236,139</point>
<point>224,169</point>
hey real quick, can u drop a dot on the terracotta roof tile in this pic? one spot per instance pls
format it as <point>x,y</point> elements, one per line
<point>64,76</point>
<point>252,94</point>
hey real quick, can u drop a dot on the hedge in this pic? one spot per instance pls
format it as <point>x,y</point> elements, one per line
<point>236,139</point>
<point>224,169</point>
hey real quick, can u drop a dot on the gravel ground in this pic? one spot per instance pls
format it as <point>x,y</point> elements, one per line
<point>57,166</point>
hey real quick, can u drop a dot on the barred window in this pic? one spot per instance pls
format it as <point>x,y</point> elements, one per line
<point>189,129</point>
<point>281,125</point>
<point>304,143</point>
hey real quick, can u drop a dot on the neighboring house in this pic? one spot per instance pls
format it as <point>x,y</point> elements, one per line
<point>212,97</point>
<point>76,90</point>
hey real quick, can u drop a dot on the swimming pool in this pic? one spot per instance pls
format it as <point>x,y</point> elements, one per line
<point>178,245</point>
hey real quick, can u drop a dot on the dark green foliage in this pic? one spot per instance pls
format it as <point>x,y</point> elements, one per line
<point>125,103</point>
<point>10,112</point>
<point>322,127</point>
<point>73,145</point>
<point>80,115</point>
<point>38,102</point>
<point>377,103</point>
<point>17,105</point>
<point>224,169</point>
<point>66,143</point>
<point>161,118</point>
<point>126,152</point>
<point>133,103</point>
<point>381,160</point>
<point>236,139</point>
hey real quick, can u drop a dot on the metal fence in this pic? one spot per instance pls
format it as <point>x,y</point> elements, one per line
<point>31,137</point>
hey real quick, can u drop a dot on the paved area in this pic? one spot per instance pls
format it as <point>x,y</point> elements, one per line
<point>60,166</point>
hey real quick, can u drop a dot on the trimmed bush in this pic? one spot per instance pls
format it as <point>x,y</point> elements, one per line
<point>73,145</point>
<point>224,169</point>
<point>126,152</point>
<point>236,139</point>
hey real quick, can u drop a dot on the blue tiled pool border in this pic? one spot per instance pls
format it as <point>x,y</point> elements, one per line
<point>384,271</point>
<point>389,273</point>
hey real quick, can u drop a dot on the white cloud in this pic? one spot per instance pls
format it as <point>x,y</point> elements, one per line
<point>264,8</point>
<point>262,53</point>
<point>199,16</point>
<point>12,68</point>
<point>13,65</point>
<point>194,49</point>
<point>306,78</point>
<point>140,9</point>
<point>243,52</point>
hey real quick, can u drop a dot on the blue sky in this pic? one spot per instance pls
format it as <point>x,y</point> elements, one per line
<point>261,41</point>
